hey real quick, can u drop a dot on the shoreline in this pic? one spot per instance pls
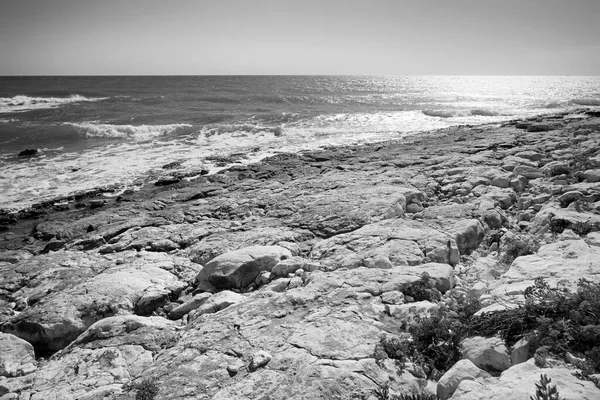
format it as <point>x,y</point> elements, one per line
<point>304,268</point>
<point>116,188</point>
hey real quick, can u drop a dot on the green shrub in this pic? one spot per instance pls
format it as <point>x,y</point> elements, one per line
<point>517,248</point>
<point>422,290</point>
<point>145,389</point>
<point>553,319</point>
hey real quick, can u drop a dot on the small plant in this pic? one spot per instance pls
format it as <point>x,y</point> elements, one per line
<point>518,248</point>
<point>422,290</point>
<point>558,225</point>
<point>541,357</point>
<point>544,390</point>
<point>417,397</point>
<point>383,393</point>
<point>146,389</point>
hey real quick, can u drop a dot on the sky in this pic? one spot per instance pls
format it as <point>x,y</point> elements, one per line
<point>306,37</point>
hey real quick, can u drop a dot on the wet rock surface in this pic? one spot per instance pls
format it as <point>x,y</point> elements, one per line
<point>279,279</point>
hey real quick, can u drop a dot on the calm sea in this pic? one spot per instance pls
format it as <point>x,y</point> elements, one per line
<point>96,131</point>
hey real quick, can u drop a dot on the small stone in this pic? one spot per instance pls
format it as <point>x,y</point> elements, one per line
<point>263,278</point>
<point>393,297</point>
<point>500,181</point>
<point>97,203</point>
<point>519,183</point>
<point>414,208</point>
<point>462,370</point>
<point>235,367</point>
<point>520,351</point>
<point>259,359</point>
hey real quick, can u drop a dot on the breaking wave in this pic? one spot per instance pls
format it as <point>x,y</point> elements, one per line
<point>239,129</point>
<point>462,113</point>
<point>25,103</point>
<point>139,132</point>
<point>587,102</point>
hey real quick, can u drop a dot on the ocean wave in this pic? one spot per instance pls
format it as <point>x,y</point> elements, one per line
<point>26,103</point>
<point>586,102</point>
<point>554,104</point>
<point>440,113</point>
<point>476,112</point>
<point>239,129</point>
<point>139,132</point>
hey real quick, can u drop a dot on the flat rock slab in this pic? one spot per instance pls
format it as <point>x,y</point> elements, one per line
<point>239,268</point>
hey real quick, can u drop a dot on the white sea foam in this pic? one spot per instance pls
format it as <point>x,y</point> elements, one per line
<point>477,112</point>
<point>238,129</point>
<point>136,132</point>
<point>26,103</point>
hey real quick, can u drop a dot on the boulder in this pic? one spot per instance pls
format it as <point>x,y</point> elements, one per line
<point>540,127</point>
<point>500,181</point>
<point>239,268</point>
<point>519,183</point>
<point>190,305</point>
<point>394,297</point>
<point>486,353</point>
<point>216,303</point>
<point>469,234</point>
<point>462,370</point>
<point>520,352</point>
<point>221,241</point>
<point>591,175</point>
<point>17,357</point>
<point>28,152</point>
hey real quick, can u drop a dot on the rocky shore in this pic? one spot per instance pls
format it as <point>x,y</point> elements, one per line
<point>289,278</point>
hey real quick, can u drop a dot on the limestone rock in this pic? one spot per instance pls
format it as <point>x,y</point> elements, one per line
<point>217,302</point>
<point>395,297</point>
<point>153,333</point>
<point>402,242</point>
<point>528,172</point>
<point>564,261</point>
<point>518,382</point>
<point>500,181</point>
<point>16,356</point>
<point>462,370</point>
<point>292,264</point>
<point>592,175</point>
<point>221,241</point>
<point>239,268</point>
<point>520,352</point>
<point>190,305</point>
<point>486,353</point>
<point>259,359</point>
<point>59,317</point>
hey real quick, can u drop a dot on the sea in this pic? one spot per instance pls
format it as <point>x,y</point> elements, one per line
<point>119,131</point>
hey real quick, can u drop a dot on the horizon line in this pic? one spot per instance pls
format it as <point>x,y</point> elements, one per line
<point>255,75</point>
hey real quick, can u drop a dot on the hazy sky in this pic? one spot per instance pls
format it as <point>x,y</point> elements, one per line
<point>379,37</point>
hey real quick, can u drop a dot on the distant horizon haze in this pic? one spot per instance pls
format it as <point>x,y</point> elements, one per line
<point>283,37</point>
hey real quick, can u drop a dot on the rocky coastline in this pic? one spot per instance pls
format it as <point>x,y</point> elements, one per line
<point>289,278</point>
